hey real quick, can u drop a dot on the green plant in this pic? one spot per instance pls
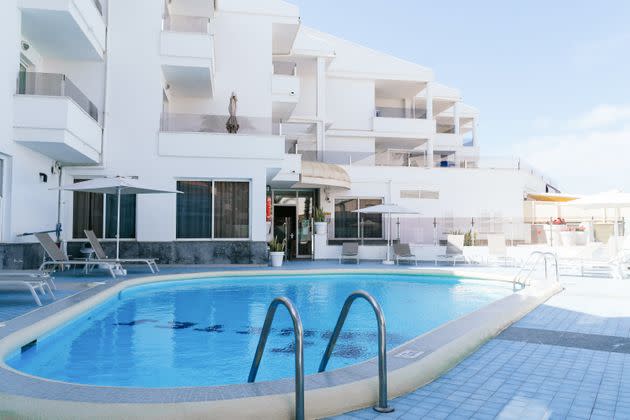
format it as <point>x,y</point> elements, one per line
<point>277,246</point>
<point>319,215</point>
<point>470,238</point>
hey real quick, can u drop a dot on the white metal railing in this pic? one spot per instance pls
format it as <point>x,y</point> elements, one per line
<point>523,277</point>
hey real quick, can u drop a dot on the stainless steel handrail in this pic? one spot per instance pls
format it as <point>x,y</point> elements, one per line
<point>530,265</point>
<point>299,350</point>
<point>382,406</point>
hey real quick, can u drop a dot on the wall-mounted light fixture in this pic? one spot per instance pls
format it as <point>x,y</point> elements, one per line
<point>25,46</point>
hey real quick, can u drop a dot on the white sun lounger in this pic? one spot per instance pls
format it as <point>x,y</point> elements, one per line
<point>454,250</point>
<point>15,283</point>
<point>101,255</point>
<point>30,275</point>
<point>60,259</point>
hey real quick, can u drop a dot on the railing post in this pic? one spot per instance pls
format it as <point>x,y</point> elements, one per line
<point>382,406</point>
<point>299,350</point>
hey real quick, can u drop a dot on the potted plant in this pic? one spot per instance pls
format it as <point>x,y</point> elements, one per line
<point>276,252</point>
<point>470,238</point>
<point>567,234</point>
<point>553,230</point>
<point>580,235</point>
<point>321,226</point>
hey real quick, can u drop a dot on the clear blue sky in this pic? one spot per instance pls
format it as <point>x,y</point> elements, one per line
<point>535,69</point>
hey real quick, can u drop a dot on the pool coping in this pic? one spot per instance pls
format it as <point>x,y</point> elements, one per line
<point>411,364</point>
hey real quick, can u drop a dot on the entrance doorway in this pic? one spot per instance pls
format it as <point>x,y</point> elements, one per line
<point>293,220</point>
<point>284,227</point>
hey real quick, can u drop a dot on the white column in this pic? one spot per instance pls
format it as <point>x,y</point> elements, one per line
<point>321,107</point>
<point>429,98</point>
<point>430,140</point>
<point>430,152</point>
<point>474,132</point>
<point>456,117</point>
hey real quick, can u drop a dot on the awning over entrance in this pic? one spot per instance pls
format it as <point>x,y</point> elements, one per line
<point>319,174</point>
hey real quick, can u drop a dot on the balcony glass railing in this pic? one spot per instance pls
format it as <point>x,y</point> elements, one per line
<point>200,123</point>
<point>445,128</point>
<point>192,24</point>
<point>392,112</point>
<point>52,84</point>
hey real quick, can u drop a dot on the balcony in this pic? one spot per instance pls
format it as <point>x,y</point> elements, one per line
<point>197,135</point>
<point>401,123</point>
<point>69,30</point>
<point>285,89</point>
<point>187,49</point>
<point>54,118</point>
<point>448,140</point>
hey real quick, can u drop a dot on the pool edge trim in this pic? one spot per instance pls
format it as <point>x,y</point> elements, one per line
<point>327,394</point>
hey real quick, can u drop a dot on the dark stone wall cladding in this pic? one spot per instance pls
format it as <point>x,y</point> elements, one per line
<point>21,256</point>
<point>30,256</point>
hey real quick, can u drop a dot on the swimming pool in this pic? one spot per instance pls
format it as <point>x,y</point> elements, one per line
<point>204,332</point>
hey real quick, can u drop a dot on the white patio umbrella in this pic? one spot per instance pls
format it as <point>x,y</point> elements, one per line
<point>614,199</point>
<point>388,209</point>
<point>116,186</point>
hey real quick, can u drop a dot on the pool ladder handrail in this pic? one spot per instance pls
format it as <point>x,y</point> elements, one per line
<point>382,406</point>
<point>530,265</point>
<point>298,331</point>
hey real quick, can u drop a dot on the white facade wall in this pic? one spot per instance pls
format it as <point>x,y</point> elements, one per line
<point>26,204</point>
<point>128,85</point>
<point>350,103</point>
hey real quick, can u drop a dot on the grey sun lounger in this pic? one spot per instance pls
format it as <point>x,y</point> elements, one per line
<point>349,251</point>
<point>101,255</point>
<point>16,283</point>
<point>58,257</point>
<point>402,252</point>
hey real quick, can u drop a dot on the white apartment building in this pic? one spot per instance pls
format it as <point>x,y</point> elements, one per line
<point>94,88</point>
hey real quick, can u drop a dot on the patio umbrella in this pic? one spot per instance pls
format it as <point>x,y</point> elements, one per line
<point>388,209</point>
<point>614,199</point>
<point>116,186</point>
<point>232,123</point>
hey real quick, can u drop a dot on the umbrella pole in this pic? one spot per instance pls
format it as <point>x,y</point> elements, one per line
<point>389,237</point>
<point>118,225</point>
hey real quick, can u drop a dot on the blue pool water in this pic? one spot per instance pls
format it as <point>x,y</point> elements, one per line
<point>205,332</point>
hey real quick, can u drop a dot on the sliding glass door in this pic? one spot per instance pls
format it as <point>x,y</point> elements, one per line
<point>213,210</point>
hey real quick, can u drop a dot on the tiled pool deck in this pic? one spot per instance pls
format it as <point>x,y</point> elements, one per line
<point>570,358</point>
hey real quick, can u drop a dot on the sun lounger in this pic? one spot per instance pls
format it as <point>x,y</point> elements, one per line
<point>30,275</point>
<point>402,252</point>
<point>454,250</point>
<point>101,255</point>
<point>349,251</point>
<point>497,251</point>
<point>597,260</point>
<point>13,283</point>
<point>60,259</point>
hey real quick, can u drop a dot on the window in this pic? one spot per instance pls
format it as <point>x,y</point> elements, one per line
<point>349,224</point>
<point>98,212</point>
<point>420,194</point>
<point>213,209</point>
